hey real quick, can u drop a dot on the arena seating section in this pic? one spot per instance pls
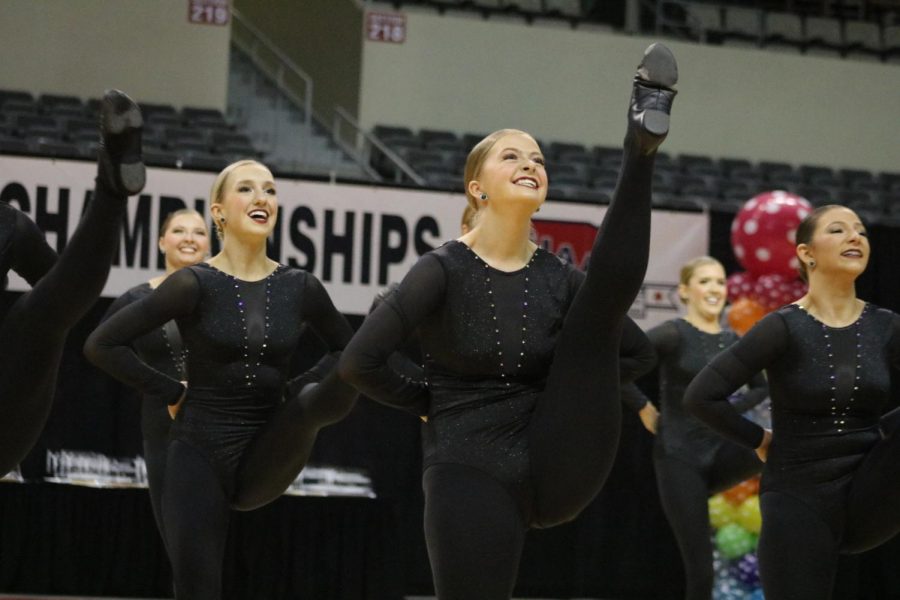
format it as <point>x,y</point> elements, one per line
<point>686,181</point>
<point>198,138</point>
<point>857,29</point>
<point>65,127</point>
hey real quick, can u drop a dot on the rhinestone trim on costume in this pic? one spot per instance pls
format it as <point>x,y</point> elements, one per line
<point>249,365</point>
<point>504,371</point>
<point>839,417</point>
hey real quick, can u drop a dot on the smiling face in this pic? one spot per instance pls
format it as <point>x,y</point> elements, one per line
<point>507,167</point>
<point>704,292</point>
<point>184,241</point>
<point>247,203</point>
<point>838,246</point>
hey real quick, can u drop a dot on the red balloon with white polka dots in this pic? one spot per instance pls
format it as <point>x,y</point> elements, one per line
<point>763,234</point>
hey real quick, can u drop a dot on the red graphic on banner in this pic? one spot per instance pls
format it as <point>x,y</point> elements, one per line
<point>571,241</point>
<point>386,27</point>
<point>209,12</point>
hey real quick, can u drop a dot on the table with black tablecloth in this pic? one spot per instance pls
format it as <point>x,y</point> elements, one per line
<point>64,539</point>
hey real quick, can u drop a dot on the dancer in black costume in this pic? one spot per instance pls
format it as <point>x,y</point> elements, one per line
<point>35,328</point>
<point>243,432</point>
<point>831,482</point>
<point>636,355</point>
<point>184,241</point>
<point>521,353</point>
<point>691,461</point>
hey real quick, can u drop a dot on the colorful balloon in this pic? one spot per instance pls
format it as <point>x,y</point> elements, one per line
<point>729,588</point>
<point>763,233</point>
<point>743,314</point>
<point>739,285</point>
<point>734,541</point>
<point>721,512</point>
<point>773,291</point>
<point>746,570</point>
<point>748,515</point>
<point>737,494</point>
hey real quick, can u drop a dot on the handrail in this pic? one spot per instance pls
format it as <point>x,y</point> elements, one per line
<point>362,151</point>
<point>284,64</point>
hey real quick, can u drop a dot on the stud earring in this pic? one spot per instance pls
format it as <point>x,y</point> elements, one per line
<point>483,196</point>
<point>812,264</point>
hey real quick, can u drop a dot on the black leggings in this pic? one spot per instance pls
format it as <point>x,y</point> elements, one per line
<point>195,505</point>
<point>684,490</point>
<point>573,434</point>
<point>155,424</point>
<point>36,326</point>
<point>474,526</point>
<point>798,548</point>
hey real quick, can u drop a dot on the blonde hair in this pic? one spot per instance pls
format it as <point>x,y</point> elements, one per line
<point>478,155</point>
<point>177,213</point>
<point>688,269</point>
<point>218,188</point>
<point>469,218</point>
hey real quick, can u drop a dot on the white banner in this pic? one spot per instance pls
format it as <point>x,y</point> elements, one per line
<point>355,238</point>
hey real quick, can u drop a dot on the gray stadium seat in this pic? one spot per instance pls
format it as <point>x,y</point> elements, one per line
<point>55,100</point>
<point>603,154</point>
<point>823,36</point>
<point>708,17</point>
<point>17,95</point>
<point>784,32</point>
<point>10,144</point>
<point>817,196</point>
<point>565,8</point>
<point>203,161</point>
<point>470,139</point>
<point>892,43</point>
<point>742,26</point>
<point>808,172</point>
<point>433,135</point>
<point>55,148</point>
<point>393,132</point>
<point>862,40</point>
<point>161,158</point>
<point>850,176</point>
<point>556,149</point>
<point>443,145</point>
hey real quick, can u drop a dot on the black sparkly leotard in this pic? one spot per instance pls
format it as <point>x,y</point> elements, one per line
<point>480,402</point>
<point>162,349</point>
<point>831,481</point>
<point>682,351</point>
<point>522,387</point>
<point>692,461</point>
<point>239,336</point>
<point>34,330</point>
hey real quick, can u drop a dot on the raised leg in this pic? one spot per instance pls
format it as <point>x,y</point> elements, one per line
<point>35,328</point>
<point>281,448</point>
<point>574,432</point>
